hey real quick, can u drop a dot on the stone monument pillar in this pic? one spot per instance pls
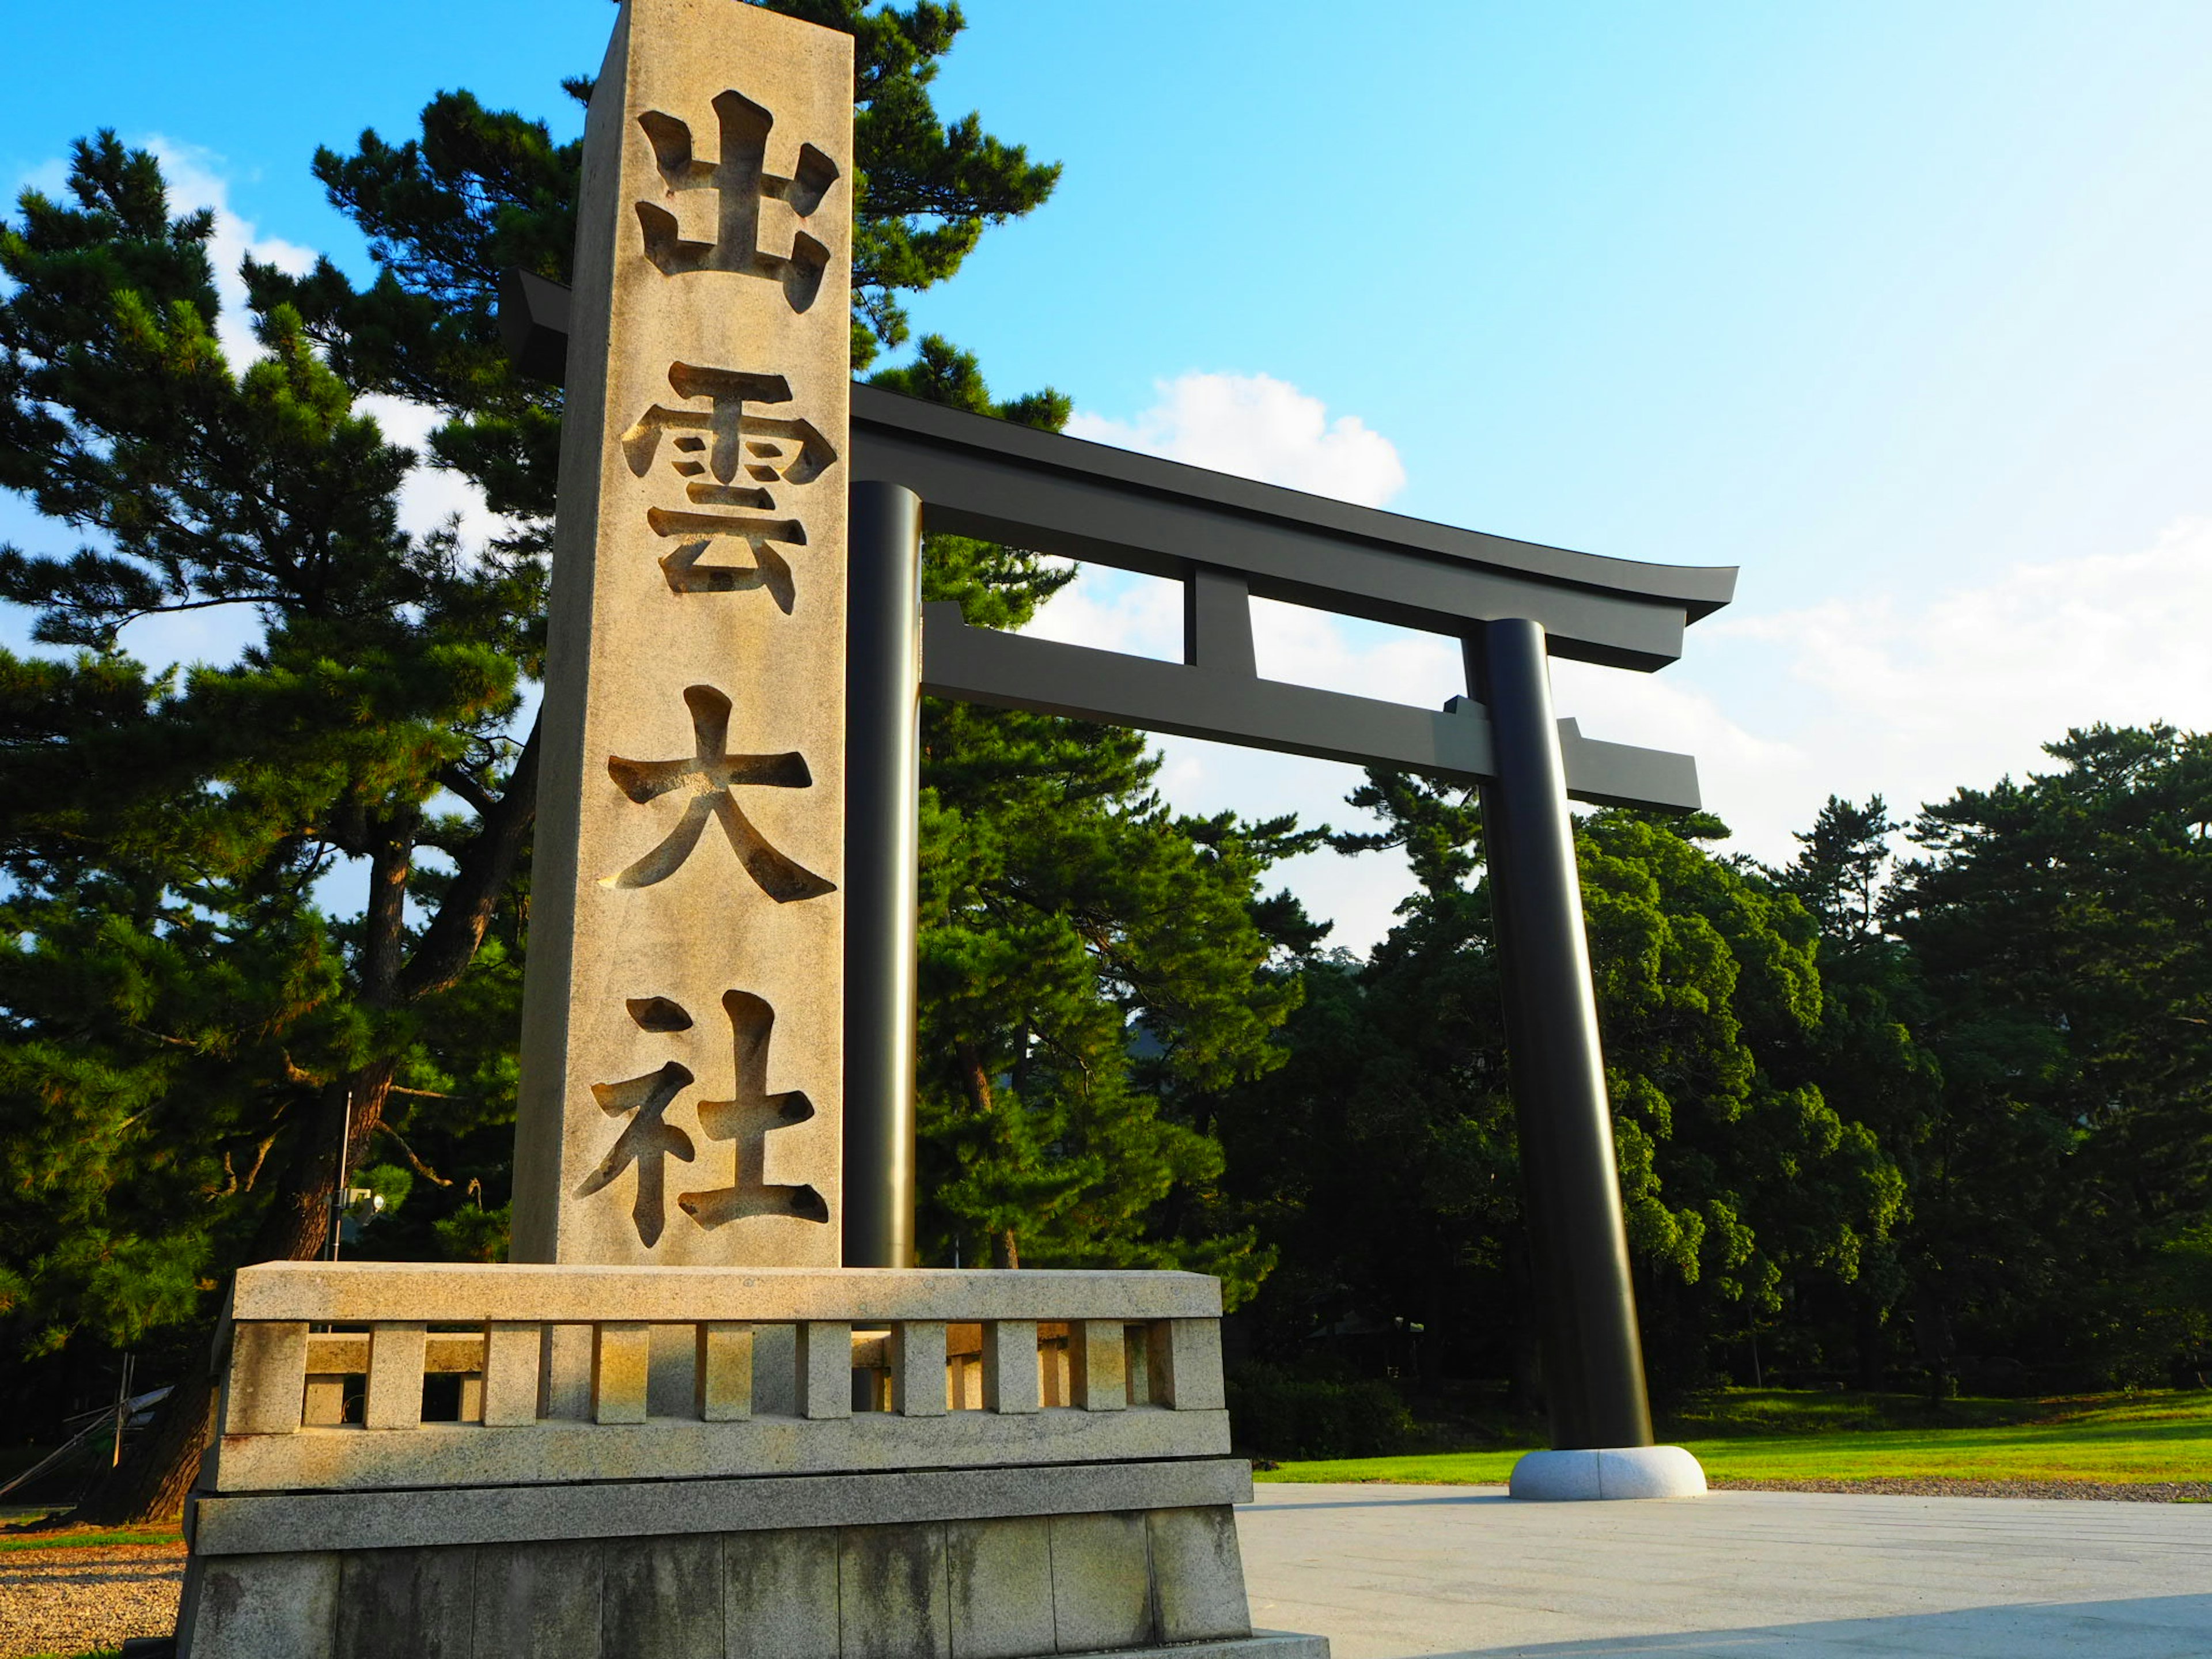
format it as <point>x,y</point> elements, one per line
<point>682,1047</point>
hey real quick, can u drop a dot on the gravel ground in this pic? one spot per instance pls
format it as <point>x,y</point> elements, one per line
<point>75,1600</point>
<point>2107,1492</point>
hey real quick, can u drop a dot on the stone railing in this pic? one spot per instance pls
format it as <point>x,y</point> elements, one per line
<point>365,1375</point>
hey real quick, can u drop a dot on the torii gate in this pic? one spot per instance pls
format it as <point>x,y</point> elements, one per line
<point>919,467</point>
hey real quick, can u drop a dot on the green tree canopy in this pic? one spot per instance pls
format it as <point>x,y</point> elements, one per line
<point>2060,932</point>
<point>1382,1157</point>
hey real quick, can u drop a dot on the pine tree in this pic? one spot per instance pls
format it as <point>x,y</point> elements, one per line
<point>1383,1159</point>
<point>2060,932</point>
<point>1837,875</point>
<point>166,862</point>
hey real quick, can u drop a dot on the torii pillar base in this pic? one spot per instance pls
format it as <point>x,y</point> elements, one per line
<point>1610,1473</point>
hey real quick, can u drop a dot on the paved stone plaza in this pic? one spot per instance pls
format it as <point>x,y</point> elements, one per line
<point>1385,1571</point>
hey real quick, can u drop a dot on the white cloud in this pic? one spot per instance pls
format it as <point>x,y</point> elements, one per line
<point>1257,426</point>
<point>431,495</point>
<point>1864,694</point>
<point>1870,694</point>
<point>196,182</point>
<point>1110,610</point>
<point>50,179</point>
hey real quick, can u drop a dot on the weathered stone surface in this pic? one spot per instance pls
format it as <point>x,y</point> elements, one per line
<point>916,1356</point>
<point>973,1589</point>
<point>346,1352</point>
<point>823,1369</point>
<point>395,1376</point>
<point>1260,1644</point>
<point>1137,1366</point>
<point>326,1401</point>
<point>621,1371</point>
<point>549,1453</point>
<point>1052,1385</point>
<point>405,1604</point>
<point>775,1370</point>
<point>266,1389</point>
<point>722,1373</point>
<point>779,1594</point>
<point>537,1599</point>
<point>682,1052</point>
<point>262,1607</point>
<point>1101,1582</point>
<point>673,1390</point>
<point>1649,1472</point>
<point>963,1383</point>
<point>892,1593</point>
<point>661,1597</point>
<point>1186,1364</point>
<point>512,1356</point>
<point>1097,1364</point>
<point>356,1292</point>
<point>998,1575</point>
<point>278,1522</point>
<point>1198,1575</point>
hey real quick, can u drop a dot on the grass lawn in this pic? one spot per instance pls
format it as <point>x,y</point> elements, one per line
<point>78,1538</point>
<point>1771,1435</point>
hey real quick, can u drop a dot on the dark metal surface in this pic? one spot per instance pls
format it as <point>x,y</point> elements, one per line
<point>1013,670</point>
<point>1593,1358</point>
<point>533,325</point>
<point>1060,494</point>
<point>1055,493</point>
<point>882,770</point>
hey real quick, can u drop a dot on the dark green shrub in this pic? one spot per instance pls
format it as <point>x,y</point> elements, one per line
<point>1279,1414</point>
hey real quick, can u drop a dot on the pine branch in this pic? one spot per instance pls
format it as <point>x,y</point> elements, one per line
<point>481,800</point>
<point>449,944</point>
<point>398,1140</point>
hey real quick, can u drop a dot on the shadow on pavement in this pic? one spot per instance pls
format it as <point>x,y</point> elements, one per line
<point>2152,1627</point>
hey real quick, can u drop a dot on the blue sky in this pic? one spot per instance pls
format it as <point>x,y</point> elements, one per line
<point>1901,308</point>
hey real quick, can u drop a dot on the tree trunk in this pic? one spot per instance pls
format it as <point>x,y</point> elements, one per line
<point>149,1486</point>
<point>975,1081</point>
<point>1869,1367</point>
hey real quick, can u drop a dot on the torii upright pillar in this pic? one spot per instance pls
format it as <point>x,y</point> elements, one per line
<point>1586,1303</point>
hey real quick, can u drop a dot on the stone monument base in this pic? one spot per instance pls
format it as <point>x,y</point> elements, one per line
<point>1125,1558</point>
<point>844,1464</point>
<point>1612,1472</point>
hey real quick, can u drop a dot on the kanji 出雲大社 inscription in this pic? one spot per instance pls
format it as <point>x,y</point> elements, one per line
<point>692,814</point>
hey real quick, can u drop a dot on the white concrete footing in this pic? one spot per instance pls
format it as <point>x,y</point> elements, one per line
<point>1612,1472</point>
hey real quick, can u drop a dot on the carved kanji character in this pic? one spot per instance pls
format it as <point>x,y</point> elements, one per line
<point>738,182</point>
<point>747,1119</point>
<point>646,1140</point>
<point>711,446</point>
<point>710,776</point>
